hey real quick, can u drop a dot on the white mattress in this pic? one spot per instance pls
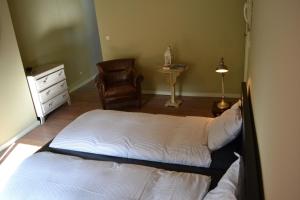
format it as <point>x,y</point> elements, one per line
<point>154,137</point>
<point>51,176</point>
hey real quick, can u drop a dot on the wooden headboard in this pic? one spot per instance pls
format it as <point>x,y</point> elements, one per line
<point>252,187</point>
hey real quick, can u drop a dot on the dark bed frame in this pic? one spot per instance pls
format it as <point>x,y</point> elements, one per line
<point>251,170</point>
<point>245,144</point>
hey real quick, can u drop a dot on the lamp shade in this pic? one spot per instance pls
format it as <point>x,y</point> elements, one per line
<point>221,67</point>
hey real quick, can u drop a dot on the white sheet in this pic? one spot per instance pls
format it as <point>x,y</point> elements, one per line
<point>228,186</point>
<point>51,176</point>
<point>154,137</point>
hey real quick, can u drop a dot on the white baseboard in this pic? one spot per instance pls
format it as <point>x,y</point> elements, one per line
<point>82,83</point>
<point>20,134</point>
<point>192,94</point>
<point>162,92</point>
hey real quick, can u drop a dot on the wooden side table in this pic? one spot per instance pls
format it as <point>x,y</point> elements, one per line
<point>217,111</point>
<point>173,73</point>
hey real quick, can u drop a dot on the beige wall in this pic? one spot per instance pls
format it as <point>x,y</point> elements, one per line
<point>274,81</point>
<point>58,31</point>
<point>17,112</point>
<point>201,31</point>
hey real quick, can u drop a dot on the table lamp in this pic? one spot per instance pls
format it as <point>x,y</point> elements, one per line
<point>222,69</point>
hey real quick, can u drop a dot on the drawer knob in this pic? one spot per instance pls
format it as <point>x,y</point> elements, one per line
<point>62,85</point>
<point>50,104</point>
<point>60,73</point>
<point>48,92</point>
<point>45,80</point>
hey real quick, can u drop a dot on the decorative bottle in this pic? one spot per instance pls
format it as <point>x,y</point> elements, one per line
<point>168,56</point>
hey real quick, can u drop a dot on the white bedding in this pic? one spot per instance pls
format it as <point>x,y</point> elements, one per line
<point>154,137</point>
<point>51,176</point>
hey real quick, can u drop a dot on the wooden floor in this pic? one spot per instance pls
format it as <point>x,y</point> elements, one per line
<point>86,99</point>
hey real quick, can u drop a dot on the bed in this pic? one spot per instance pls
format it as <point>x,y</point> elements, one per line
<point>194,182</point>
<point>151,137</point>
<point>47,175</point>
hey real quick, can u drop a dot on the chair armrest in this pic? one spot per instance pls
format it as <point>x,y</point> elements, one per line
<point>99,82</point>
<point>138,78</point>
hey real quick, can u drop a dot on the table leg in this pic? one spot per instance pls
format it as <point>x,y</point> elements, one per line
<point>173,93</point>
<point>173,102</point>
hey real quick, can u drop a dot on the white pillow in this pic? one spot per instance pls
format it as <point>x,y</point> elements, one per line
<point>223,129</point>
<point>227,187</point>
<point>237,105</point>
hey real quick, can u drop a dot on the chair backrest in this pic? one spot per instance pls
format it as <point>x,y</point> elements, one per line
<point>118,70</point>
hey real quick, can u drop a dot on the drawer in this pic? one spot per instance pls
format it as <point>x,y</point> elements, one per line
<point>55,102</point>
<point>53,91</point>
<point>49,80</point>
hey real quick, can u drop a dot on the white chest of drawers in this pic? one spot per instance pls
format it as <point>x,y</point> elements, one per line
<point>48,89</point>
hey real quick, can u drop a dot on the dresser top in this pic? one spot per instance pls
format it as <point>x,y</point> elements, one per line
<point>43,70</point>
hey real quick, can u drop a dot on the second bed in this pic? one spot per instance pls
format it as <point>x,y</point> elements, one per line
<point>189,141</point>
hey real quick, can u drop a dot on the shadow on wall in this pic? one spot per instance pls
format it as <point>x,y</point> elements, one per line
<point>63,45</point>
<point>58,32</point>
<point>52,48</point>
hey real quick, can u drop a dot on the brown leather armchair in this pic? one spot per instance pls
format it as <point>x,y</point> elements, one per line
<point>118,82</point>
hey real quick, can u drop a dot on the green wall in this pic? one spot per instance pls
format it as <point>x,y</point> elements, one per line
<point>274,84</point>
<point>58,31</point>
<point>201,31</point>
<point>17,112</point>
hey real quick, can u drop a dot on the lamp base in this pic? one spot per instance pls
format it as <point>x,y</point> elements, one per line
<point>223,104</point>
